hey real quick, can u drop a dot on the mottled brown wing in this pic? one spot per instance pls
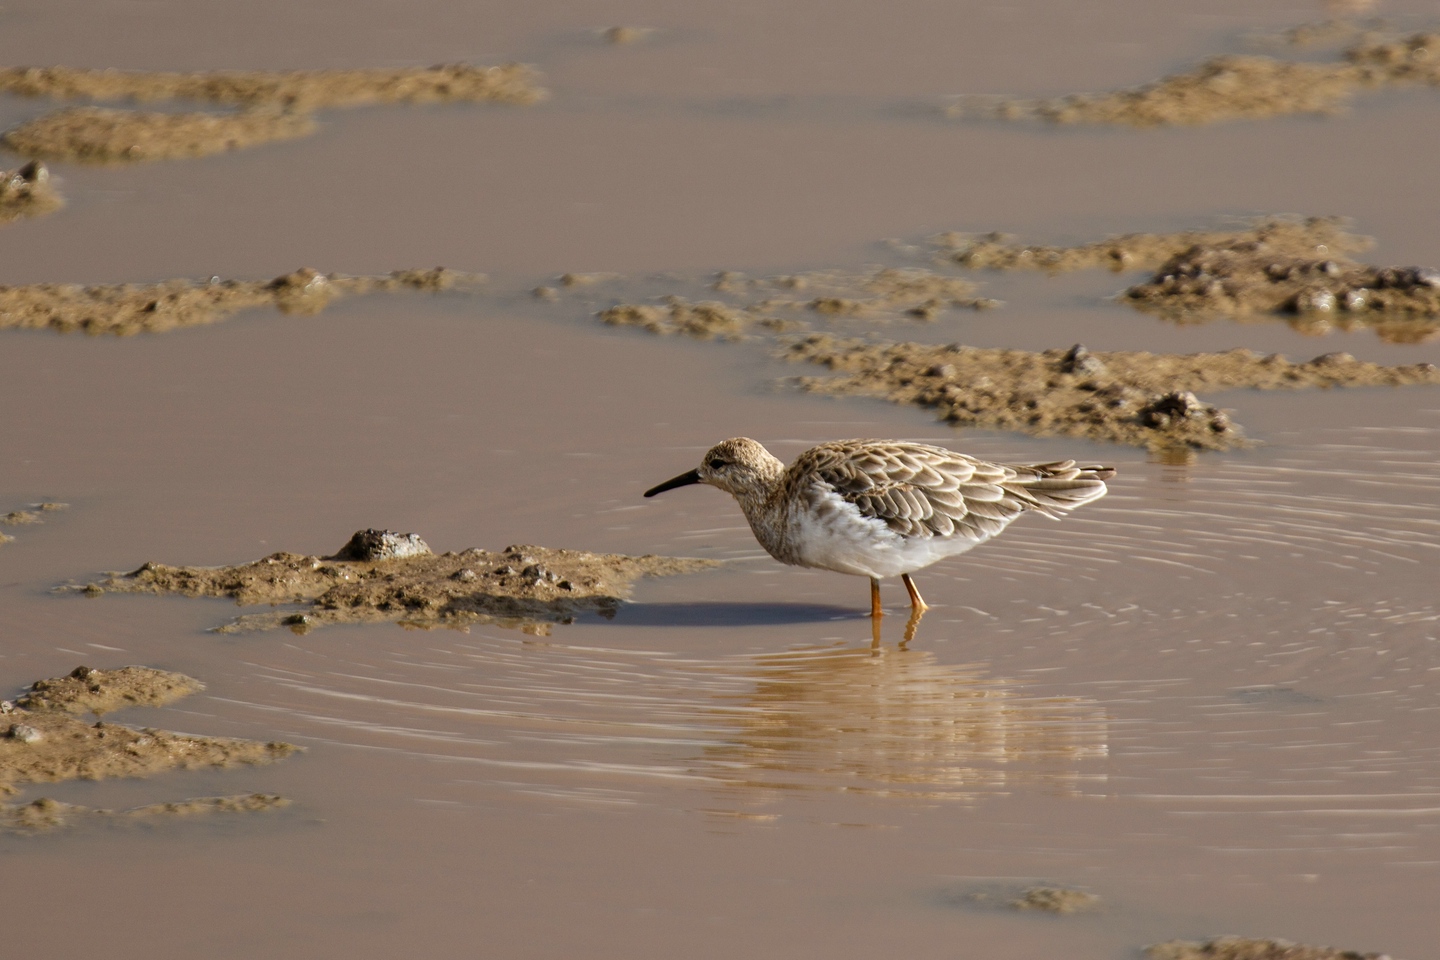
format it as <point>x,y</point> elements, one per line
<point>917,490</point>
<point>924,491</point>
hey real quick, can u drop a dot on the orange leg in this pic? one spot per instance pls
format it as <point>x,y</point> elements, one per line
<point>917,603</point>
<point>875,614</point>
<point>918,606</point>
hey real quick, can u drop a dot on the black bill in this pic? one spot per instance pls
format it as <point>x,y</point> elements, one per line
<point>684,480</point>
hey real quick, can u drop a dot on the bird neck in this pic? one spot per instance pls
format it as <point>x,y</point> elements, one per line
<point>764,505</point>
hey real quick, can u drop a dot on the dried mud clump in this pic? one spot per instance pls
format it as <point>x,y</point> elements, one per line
<point>84,690</point>
<point>27,192</point>
<point>125,309</point>
<point>1140,399</point>
<point>46,815</point>
<point>1287,237</point>
<point>296,90</point>
<point>524,586</point>
<point>1245,948</point>
<point>1235,87</point>
<point>102,135</point>
<point>1318,292</point>
<point>43,740</point>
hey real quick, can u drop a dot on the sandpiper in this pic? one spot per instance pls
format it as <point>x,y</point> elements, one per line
<point>878,508</point>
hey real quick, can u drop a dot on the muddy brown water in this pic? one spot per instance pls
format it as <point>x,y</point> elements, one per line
<point>1209,699</point>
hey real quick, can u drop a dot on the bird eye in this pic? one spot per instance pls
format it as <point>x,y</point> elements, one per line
<point>715,463</point>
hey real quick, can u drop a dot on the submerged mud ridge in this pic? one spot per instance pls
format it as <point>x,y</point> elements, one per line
<point>1246,948</point>
<point>778,304</point>
<point>1042,898</point>
<point>27,192</point>
<point>273,106</point>
<point>1140,399</point>
<point>44,739</point>
<point>45,814</point>
<point>381,576</point>
<point>1234,88</point>
<point>124,309</point>
<point>30,517</point>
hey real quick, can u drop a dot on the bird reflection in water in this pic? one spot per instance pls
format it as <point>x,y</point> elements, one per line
<point>898,722</point>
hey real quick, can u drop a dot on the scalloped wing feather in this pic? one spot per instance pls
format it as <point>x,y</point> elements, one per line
<point>919,490</point>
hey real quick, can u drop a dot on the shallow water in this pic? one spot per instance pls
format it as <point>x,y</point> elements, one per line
<point>1211,698</point>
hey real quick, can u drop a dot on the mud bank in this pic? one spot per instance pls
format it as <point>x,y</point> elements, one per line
<point>102,135</point>
<point>46,815</point>
<point>125,309</point>
<point>381,576</point>
<point>1140,399</point>
<point>1316,293</point>
<point>296,90</point>
<point>45,740</point>
<point>1295,270</point>
<point>1281,236</point>
<point>27,192</point>
<point>1245,948</point>
<point>272,106</point>
<point>1234,88</point>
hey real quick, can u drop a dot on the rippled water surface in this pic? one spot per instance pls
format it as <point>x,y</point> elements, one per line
<point>1212,698</point>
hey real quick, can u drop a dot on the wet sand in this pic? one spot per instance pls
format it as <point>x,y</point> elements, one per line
<point>46,741</point>
<point>1208,701</point>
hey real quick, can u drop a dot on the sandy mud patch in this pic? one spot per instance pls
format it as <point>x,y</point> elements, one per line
<point>381,576</point>
<point>298,90</point>
<point>103,135</point>
<point>1235,88</point>
<point>43,737</point>
<point>45,814</point>
<point>1245,948</point>
<point>124,309</point>
<point>27,192</point>
<point>273,106</point>
<point>1135,398</point>
<point>84,690</point>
